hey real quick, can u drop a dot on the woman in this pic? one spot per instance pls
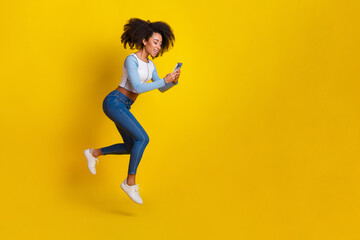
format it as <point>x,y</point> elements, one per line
<point>149,39</point>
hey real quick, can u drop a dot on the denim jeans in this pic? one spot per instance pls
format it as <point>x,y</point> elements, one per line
<point>117,106</point>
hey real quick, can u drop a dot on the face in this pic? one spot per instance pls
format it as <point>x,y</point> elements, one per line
<point>153,46</point>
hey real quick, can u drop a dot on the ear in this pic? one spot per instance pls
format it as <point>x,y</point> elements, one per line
<point>144,41</point>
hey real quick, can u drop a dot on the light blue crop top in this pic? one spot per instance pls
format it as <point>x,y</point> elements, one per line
<point>136,73</point>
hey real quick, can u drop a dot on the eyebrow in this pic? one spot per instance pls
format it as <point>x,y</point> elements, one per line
<point>157,39</point>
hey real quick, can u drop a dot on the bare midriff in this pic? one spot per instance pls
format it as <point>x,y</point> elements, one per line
<point>127,93</point>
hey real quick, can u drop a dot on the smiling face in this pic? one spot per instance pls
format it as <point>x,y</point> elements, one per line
<point>153,46</point>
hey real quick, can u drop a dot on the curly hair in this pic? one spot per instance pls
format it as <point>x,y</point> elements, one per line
<point>135,30</point>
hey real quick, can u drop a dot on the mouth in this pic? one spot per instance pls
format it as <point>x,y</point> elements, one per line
<point>156,51</point>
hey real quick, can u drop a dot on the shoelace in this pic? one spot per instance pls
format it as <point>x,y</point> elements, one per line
<point>136,188</point>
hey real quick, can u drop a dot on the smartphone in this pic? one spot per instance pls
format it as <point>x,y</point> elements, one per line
<point>178,65</point>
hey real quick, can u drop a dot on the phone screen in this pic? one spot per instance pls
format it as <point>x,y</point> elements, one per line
<point>178,65</point>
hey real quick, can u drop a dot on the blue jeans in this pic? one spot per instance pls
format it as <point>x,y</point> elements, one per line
<point>116,106</point>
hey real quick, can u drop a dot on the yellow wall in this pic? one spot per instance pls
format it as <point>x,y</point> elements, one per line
<point>259,140</point>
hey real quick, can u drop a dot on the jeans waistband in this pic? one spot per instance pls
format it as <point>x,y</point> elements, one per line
<point>122,97</point>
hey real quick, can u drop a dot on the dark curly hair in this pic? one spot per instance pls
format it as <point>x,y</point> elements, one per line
<point>135,30</point>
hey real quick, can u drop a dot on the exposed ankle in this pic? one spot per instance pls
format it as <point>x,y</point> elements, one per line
<point>130,183</point>
<point>95,153</point>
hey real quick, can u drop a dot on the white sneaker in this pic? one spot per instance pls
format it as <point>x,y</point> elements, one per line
<point>91,160</point>
<point>132,192</point>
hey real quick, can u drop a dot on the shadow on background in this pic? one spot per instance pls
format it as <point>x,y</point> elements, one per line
<point>101,66</point>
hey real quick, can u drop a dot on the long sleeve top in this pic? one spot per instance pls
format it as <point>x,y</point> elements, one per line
<point>136,74</point>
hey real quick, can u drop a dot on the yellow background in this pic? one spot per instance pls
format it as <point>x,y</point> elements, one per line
<point>259,140</point>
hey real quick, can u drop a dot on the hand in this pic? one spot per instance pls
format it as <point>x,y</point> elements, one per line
<point>177,75</point>
<point>170,77</point>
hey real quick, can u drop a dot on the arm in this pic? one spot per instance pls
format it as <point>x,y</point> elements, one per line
<point>156,78</point>
<point>132,69</point>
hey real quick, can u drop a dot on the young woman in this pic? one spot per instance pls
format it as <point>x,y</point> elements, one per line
<point>149,39</point>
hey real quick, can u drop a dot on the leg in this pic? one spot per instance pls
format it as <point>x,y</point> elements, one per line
<point>135,139</point>
<point>129,143</point>
<point>112,104</point>
<point>120,148</point>
<point>127,123</point>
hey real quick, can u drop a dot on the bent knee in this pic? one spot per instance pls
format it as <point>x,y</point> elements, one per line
<point>144,139</point>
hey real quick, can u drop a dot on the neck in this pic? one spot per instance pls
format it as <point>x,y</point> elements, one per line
<point>142,54</point>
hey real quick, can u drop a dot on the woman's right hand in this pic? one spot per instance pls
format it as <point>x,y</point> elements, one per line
<point>170,77</point>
